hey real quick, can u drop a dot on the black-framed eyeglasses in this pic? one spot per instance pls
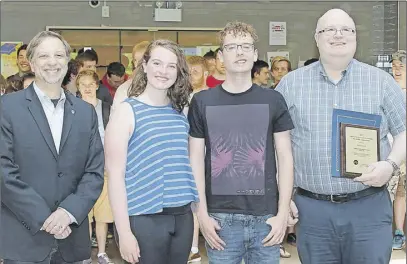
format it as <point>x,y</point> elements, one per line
<point>246,47</point>
<point>331,31</point>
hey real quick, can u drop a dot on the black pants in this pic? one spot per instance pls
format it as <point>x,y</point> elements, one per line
<point>164,238</point>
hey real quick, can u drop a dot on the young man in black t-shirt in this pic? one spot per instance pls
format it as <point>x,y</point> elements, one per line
<point>243,211</point>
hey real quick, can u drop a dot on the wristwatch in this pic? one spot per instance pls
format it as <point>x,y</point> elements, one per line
<point>396,168</point>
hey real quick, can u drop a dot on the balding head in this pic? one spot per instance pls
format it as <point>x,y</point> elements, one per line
<point>335,36</point>
<point>333,16</point>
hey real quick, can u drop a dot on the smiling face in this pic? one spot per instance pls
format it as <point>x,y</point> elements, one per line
<point>161,69</point>
<point>336,36</point>
<point>22,62</point>
<point>50,62</point>
<point>238,53</point>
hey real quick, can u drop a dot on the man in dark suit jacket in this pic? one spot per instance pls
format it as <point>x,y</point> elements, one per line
<point>52,159</point>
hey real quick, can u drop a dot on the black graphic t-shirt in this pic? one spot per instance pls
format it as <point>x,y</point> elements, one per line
<point>240,163</point>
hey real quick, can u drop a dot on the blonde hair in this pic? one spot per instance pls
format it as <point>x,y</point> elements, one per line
<point>237,29</point>
<point>400,56</point>
<point>197,60</point>
<point>278,59</point>
<point>87,73</point>
<point>40,37</point>
<point>140,47</point>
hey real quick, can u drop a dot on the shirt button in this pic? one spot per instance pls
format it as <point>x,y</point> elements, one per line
<point>335,105</point>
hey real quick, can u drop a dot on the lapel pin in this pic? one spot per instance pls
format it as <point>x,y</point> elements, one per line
<point>73,111</point>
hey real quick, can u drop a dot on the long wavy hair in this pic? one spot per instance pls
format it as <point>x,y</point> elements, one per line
<point>180,91</point>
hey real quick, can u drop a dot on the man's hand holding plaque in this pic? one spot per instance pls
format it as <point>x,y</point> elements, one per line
<point>378,174</point>
<point>359,149</point>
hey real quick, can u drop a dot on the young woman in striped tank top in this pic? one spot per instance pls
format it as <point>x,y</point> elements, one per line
<point>151,186</point>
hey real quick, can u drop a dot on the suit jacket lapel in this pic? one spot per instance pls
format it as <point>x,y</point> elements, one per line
<point>69,113</point>
<point>36,110</point>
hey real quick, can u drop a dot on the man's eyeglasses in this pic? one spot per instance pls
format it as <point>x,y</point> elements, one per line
<point>246,47</point>
<point>331,31</point>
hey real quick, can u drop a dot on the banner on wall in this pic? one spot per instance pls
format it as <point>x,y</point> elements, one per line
<point>8,62</point>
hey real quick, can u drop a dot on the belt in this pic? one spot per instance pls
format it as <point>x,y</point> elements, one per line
<point>340,198</point>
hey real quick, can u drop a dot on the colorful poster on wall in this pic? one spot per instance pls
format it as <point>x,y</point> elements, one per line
<point>126,59</point>
<point>8,62</point>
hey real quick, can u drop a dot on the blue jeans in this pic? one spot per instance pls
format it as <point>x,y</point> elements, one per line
<point>243,235</point>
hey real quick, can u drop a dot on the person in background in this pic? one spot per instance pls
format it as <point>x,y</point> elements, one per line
<point>122,91</point>
<point>218,76</point>
<point>69,82</point>
<point>22,64</point>
<point>399,205</point>
<point>151,185</point>
<point>210,60</point>
<point>310,61</point>
<point>3,84</point>
<point>88,59</point>
<point>280,66</point>
<point>28,78</point>
<point>14,85</point>
<point>261,73</point>
<point>114,77</point>
<point>198,74</point>
<point>87,82</point>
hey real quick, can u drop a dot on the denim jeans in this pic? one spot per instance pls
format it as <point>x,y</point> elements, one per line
<point>243,235</point>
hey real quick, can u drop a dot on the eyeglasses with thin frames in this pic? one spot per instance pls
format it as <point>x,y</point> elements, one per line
<point>331,31</point>
<point>246,47</point>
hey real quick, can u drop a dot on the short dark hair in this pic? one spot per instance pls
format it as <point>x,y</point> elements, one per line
<point>308,62</point>
<point>258,65</point>
<point>28,75</point>
<point>73,68</point>
<point>23,47</point>
<point>209,55</point>
<point>87,55</point>
<point>116,68</point>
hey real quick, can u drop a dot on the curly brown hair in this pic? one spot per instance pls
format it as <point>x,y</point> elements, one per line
<point>180,91</point>
<point>237,28</point>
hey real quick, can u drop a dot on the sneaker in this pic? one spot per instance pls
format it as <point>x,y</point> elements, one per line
<point>194,257</point>
<point>104,259</point>
<point>87,261</point>
<point>399,240</point>
<point>292,239</point>
<point>284,253</point>
<point>94,242</point>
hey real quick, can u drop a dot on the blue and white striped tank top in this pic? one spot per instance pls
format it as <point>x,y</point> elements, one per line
<point>158,171</point>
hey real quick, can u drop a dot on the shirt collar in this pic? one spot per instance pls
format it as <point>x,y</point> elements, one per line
<point>42,96</point>
<point>323,72</point>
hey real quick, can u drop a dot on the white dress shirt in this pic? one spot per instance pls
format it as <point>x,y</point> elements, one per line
<point>55,118</point>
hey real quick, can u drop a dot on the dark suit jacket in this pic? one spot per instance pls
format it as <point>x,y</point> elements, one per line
<point>105,113</point>
<point>37,180</point>
<point>103,94</point>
